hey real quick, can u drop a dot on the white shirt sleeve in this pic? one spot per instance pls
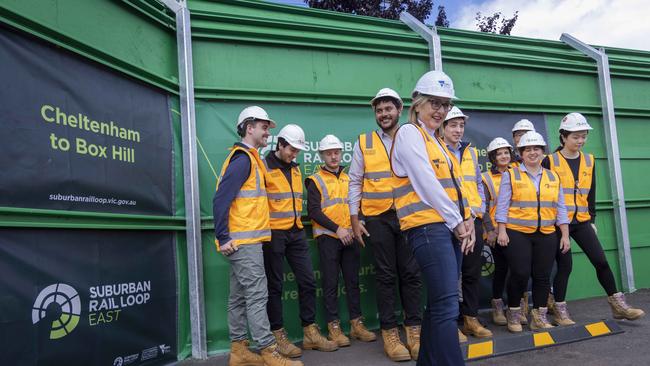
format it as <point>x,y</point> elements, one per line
<point>356,179</point>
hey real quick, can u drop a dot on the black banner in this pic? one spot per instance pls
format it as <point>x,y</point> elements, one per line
<point>81,297</point>
<point>78,137</point>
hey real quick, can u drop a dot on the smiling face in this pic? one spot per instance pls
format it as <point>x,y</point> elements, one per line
<point>574,141</point>
<point>257,133</point>
<point>286,153</point>
<point>502,157</point>
<point>532,155</point>
<point>453,130</point>
<point>387,114</point>
<point>432,111</point>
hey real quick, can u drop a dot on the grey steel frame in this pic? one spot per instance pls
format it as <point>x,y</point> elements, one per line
<point>430,35</point>
<point>613,157</point>
<point>190,178</point>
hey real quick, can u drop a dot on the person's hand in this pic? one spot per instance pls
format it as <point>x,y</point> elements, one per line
<point>593,226</point>
<point>491,238</point>
<point>345,235</point>
<point>468,246</point>
<point>228,248</point>
<point>358,230</point>
<point>565,244</point>
<point>503,239</point>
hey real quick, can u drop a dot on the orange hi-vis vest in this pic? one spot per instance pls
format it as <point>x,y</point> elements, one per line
<point>530,211</point>
<point>492,182</point>
<point>378,179</point>
<point>575,190</point>
<point>248,218</point>
<point>333,200</point>
<point>468,166</point>
<point>285,200</point>
<point>411,211</point>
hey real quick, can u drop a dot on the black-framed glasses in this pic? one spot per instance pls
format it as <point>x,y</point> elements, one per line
<point>437,103</point>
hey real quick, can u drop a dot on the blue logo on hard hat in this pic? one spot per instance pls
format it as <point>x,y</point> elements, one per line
<point>441,82</point>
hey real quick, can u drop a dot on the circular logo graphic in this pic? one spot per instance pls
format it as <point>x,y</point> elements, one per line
<point>67,300</point>
<point>488,262</point>
<point>119,361</point>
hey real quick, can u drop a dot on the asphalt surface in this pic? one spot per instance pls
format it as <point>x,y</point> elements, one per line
<point>629,348</point>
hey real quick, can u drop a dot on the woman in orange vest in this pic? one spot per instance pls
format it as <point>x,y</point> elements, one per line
<point>576,171</point>
<point>529,206</point>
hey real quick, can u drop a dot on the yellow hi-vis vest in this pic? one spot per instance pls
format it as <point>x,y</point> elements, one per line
<point>411,211</point>
<point>530,211</point>
<point>575,190</point>
<point>285,200</point>
<point>492,182</point>
<point>333,200</point>
<point>248,218</point>
<point>468,166</point>
<point>378,179</point>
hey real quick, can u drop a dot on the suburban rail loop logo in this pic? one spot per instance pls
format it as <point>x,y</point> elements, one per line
<point>67,299</point>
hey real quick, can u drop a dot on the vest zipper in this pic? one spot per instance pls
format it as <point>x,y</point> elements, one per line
<point>539,212</point>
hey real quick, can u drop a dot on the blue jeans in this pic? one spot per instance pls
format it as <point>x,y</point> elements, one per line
<point>439,257</point>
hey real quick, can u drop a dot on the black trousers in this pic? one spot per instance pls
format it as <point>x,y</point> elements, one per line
<point>584,235</point>
<point>530,254</point>
<point>394,265</point>
<point>471,273</point>
<point>500,271</point>
<point>335,257</point>
<point>292,245</point>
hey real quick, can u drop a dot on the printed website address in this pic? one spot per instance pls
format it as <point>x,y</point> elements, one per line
<point>91,199</point>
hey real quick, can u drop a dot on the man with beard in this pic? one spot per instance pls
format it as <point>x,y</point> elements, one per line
<point>372,213</point>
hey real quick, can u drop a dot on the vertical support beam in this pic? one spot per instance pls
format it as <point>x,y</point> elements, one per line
<point>430,35</point>
<point>613,157</point>
<point>190,177</point>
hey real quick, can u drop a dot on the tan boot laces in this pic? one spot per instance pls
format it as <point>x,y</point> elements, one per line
<point>414,335</point>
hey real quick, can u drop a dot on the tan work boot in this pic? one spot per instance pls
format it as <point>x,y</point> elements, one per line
<point>620,308</point>
<point>314,340</point>
<point>272,357</point>
<point>462,338</point>
<point>538,319</point>
<point>550,302</point>
<point>393,346</point>
<point>523,304</point>
<point>561,314</point>
<point>413,340</point>
<point>285,347</point>
<point>471,326</point>
<point>240,355</point>
<point>359,331</point>
<point>336,334</point>
<point>513,316</point>
<point>498,314</point>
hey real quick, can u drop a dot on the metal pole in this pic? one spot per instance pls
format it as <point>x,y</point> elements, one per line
<point>613,157</point>
<point>190,177</point>
<point>430,35</point>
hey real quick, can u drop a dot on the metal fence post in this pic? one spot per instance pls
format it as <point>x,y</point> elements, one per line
<point>430,35</point>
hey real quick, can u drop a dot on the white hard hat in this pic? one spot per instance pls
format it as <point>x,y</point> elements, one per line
<point>294,135</point>
<point>531,138</point>
<point>254,112</point>
<point>455,112</point>
<point>435,83</point>
<point>386,92</point>
<point>574,122</point>
<point>523,125</point>
<point>498,143</point>
<point>330,142</point>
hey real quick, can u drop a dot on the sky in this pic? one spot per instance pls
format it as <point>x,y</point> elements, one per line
<point>613,23</point>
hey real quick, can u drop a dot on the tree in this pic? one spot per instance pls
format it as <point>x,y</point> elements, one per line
<point>441,20</point>
<point>388,9</point>
<point>489,24</point>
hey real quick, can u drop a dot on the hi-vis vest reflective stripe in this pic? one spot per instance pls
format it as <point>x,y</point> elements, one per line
<point>528,210</point>
<point>378,180</point>
<point>468,165</point>
<point>333,200</point>
<point>492,182</point>
<point>411,211</point>
<point>285,201</point>
<point>248,218</point>
<point>575,190</point>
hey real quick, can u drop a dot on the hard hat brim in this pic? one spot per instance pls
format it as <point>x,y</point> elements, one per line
<point>297,146</point>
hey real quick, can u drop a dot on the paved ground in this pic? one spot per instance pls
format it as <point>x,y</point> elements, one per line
<point>629,348</point>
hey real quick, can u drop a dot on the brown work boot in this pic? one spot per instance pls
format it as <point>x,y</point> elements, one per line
<point>471,326</point>
<point>413,340</point>
<point>561,314</point>
<point>538,319</point>
<point>240,355</point>
<point>462,338</point>
<point>498,314</point>
<point>620,308</point>
<point>359,331</point>
<point>285,347</point>
<point>314,340</point>
<point>393,346</point>
<point>272,357</point>
<point>523,304</point>
<point>336,334</point>
<point>513,316</point>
